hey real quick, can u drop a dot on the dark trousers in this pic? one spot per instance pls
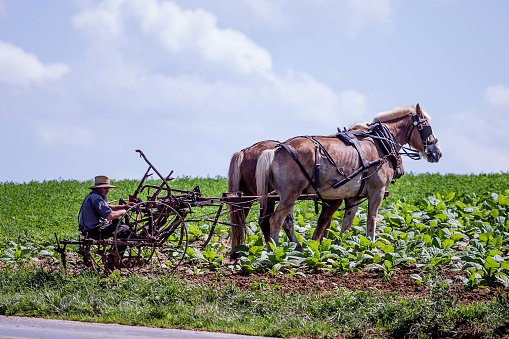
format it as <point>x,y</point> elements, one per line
<point>107,230</point>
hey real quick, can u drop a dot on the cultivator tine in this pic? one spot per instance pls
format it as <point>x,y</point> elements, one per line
<point>211,233</point>
<point>61,250</point>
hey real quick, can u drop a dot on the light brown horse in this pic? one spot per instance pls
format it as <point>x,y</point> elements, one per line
<point>347,172</point>
<point>241,178</point>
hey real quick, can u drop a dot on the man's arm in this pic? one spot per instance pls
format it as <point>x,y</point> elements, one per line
<point>118,210</point>
<point>116,213</point>
<point>117,207</point>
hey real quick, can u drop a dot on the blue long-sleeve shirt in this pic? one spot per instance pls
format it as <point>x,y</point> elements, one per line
<point>94,208</point>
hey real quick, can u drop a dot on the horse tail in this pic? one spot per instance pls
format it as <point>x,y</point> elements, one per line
<point>234,172</point>
<point>236,214</point>
<point>263,177</point>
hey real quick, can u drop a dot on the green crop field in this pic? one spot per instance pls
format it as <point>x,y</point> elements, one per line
<point>429,221</point>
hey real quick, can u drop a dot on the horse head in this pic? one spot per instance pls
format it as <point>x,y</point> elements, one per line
<point>421,136</point>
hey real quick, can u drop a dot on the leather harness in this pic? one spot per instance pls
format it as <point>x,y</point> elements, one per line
<point>378,131</point>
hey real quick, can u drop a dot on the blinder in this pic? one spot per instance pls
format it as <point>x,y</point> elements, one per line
<point>424,131</point>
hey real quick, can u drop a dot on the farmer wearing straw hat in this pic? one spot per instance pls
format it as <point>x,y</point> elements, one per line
<point>98,219</point>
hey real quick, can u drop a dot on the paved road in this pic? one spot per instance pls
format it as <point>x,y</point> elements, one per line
<point>36,328</point>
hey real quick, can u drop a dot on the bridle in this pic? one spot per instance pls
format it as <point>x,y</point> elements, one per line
<point>425,133</point>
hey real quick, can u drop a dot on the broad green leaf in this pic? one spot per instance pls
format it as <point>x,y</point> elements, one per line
<point>313,245</point>
<point>441,206</point>
<point>505,265</point>
<point>503,200</point>
<point>484,237</point>
<point>400,246</point>
<point>375,266</point>
<point>494,252</point>
<point>364,241</point>
<point>441,217</point>
<point>447,243</point>
<point>496,242</point>
<point>396,219</point>
<point>490,263</point>
<point>325,245</point>
<point>387,248</point>
<point>427,239</point>
<point>436,242</point>
<point>449,196</point>
<point>457,236</point>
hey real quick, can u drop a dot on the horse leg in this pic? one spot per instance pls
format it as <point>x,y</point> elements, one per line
<point>324,220</point>
<point>264,220</point>
<point>284,208</point>
<point>374,202</point>
<point>351,206</point>
<point>290,232</point>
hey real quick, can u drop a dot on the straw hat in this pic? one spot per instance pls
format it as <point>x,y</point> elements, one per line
<point>102,181</point>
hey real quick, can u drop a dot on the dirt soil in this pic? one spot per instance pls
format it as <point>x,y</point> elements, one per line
<point>402,283</point>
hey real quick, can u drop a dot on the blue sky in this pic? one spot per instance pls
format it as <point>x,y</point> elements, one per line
<point>84,83</point>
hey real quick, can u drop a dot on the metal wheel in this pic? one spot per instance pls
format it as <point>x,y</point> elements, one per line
<point>134,239</point>
<point>156,236</point>
<point>96,253</point>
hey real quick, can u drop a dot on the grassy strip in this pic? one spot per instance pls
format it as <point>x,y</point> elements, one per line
<point>167,302</point>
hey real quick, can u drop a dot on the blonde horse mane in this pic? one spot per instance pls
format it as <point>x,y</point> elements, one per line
<point>398,113</point>
<point>358,126</point>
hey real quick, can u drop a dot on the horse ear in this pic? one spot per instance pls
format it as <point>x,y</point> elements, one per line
<point>418,110</point>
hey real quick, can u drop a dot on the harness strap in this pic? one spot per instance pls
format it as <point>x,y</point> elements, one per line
<point>359,170</point>
<point>388,145</point>
<point>296,159</point>
<point>358,147</point>
<point>323,151</point>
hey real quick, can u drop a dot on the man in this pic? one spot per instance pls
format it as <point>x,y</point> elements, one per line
<point>98,219</point>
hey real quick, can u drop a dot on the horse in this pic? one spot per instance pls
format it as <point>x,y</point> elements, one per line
<point>241,178</point>
<point>350,165</point>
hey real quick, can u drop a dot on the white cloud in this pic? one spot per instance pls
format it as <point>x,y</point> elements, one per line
<point>269,12</point>
<point>309,99</point>
<point>22,68</point>
<point>497,96</point>
<point>103,21</point>
<point>300,17</point>
<point>180,31</point>
<point>208,93</point>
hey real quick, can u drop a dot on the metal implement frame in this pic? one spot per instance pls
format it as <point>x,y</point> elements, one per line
<point>164,212</point>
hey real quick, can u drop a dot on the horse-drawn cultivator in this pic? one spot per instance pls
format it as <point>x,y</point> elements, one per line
<point>157,227</point>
